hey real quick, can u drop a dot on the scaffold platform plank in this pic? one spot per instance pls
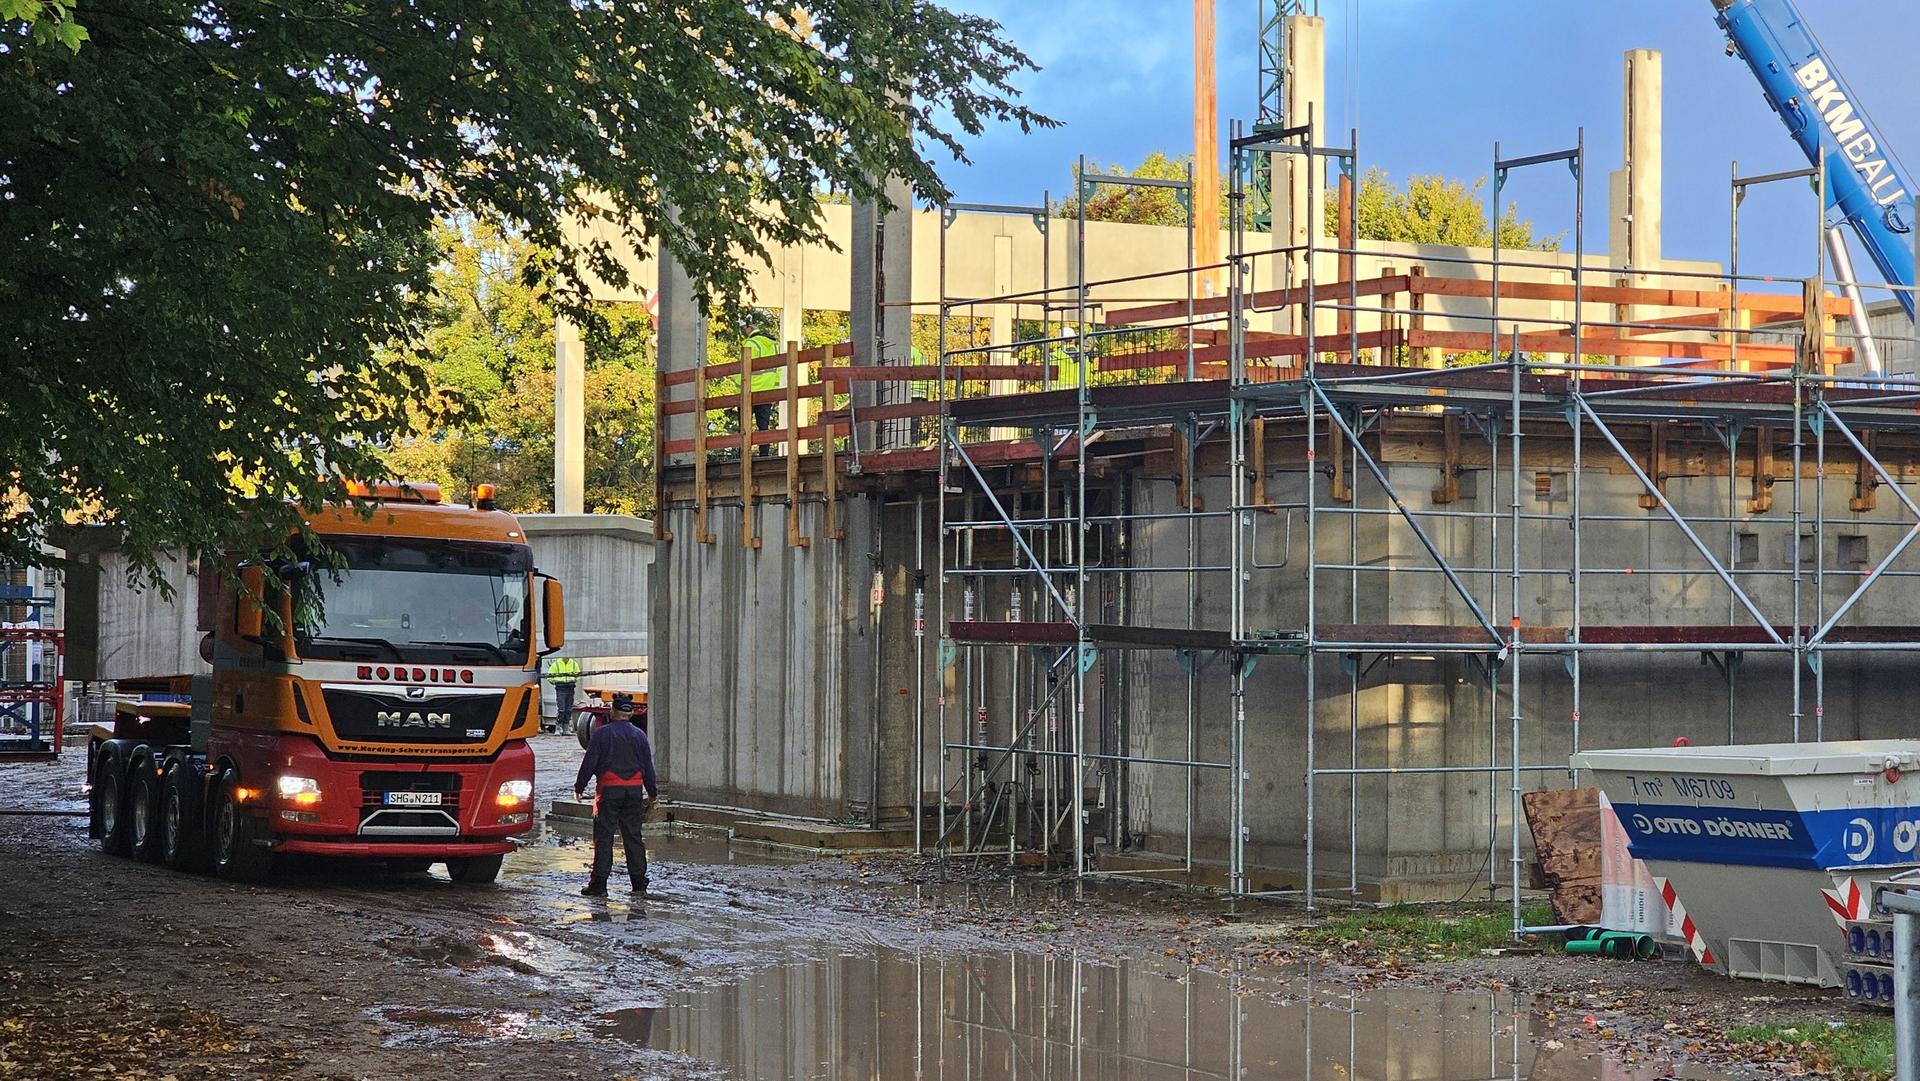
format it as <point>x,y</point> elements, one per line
<point>1113,635</point>
<point>1414,635</point>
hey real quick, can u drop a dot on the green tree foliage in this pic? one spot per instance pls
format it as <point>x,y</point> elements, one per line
<point>45,20</point>
<point>213,216</point>
<point>1136,206</point>
<point>1433,210</point>
<point>1144,205</point>
<point>488,355</point>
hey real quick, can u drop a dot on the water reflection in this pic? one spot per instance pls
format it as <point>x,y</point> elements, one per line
<point>876,1013</point>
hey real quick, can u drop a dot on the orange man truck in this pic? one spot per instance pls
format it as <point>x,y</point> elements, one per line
<point>373,703</point>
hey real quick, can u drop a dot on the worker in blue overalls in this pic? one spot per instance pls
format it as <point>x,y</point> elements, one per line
<point>619,761</point>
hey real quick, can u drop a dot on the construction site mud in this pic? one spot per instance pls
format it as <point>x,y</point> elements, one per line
<point>757,963</point>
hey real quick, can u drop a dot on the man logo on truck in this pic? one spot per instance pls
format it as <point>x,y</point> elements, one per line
<point>393,718</point>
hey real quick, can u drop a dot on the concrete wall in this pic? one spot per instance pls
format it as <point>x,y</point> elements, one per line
<point>1432,709</point>
<point>769,684</point>
<point>605,563</point>
<point>117,631</point>
<point>757,697</point>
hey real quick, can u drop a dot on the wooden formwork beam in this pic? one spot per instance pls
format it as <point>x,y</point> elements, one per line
<point>1621,292</point>
<point>1656,463</point>
<point>1427,356</point>
<point>1340,490</point>
<point>1866,479</point>
<point>701,492</point>
<point>1183,468</point>
<point>749,534</point>
<point>1557,342</point>
<point>829,462</point>
<point>795,539</point>
<point>1257,431</point>
<point>1761,499</point>
<point>1449,489</point>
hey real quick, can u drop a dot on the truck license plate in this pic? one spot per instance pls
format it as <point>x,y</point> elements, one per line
<point>413,799</point>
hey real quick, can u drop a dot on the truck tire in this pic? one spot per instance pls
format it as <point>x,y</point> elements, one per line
<point>182,820</point>
<point>236,857</point>
<point>110,802</point>
<point>474,870</point>
<point>144,833</point>
<point>583,728</point>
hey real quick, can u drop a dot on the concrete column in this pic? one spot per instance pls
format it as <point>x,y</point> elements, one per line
<point>792,307</point>
<point>1000,334</point>
<point>1299,192</point>
<point>682,335</point>
<point>1634,191</point>
<point>880,321</point>
<point>569,418</point>
<point>863,313</point>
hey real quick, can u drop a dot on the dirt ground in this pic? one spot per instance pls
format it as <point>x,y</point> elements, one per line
<point>752,963</point>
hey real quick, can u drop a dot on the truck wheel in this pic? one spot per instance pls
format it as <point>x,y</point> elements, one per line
<point>236,857</point>
<point>110,803</point>
<point>183,837</point>
<point>474,870</point>
<point>583,728</point>
<point>144,834</point>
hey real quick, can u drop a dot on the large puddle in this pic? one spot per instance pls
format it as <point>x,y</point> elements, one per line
<point>768,993</point>
<point>879,1014</point>
<point>722,980</point>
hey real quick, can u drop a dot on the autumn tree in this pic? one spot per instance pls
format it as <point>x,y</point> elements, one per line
<point>488,356</point>
<point>216,219</point>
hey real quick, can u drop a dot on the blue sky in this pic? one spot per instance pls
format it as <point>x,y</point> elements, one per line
<point>1434,83</point>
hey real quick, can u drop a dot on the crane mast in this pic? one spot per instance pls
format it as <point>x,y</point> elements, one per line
<point>1867,188</point>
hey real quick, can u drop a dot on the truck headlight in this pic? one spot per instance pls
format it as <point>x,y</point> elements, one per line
<point>302,791</point>
<point>514,793</point>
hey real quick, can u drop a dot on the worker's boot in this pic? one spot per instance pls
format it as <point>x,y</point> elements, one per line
<point>594,889</point>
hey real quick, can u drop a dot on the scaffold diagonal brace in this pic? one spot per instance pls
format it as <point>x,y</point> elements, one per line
<point>1406,513</point>
<point>1018,535</point>
<point>1674,515</point>
<point>1866,455</point>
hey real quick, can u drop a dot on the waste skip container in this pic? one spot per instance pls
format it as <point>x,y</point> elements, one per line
<point>1770,847</point>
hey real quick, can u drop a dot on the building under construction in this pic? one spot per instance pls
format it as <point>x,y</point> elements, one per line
<point>1289,570</point>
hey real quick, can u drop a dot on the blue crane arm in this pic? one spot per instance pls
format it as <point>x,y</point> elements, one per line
<point>1866,186</point>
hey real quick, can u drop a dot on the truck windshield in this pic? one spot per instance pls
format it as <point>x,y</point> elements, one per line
<point>418,601</point>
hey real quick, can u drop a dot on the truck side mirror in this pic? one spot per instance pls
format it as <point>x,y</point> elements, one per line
<point>553,614</point>
<point>249,615</point>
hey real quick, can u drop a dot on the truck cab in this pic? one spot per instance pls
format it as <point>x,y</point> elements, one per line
<point>372,698</point>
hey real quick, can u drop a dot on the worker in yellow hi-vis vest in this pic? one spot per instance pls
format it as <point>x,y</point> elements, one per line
<point>562,674</point>
<point>922,390</point>
<point>1066,369</point>
<point>765,379</point>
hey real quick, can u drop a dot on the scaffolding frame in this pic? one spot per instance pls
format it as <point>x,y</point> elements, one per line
<point>1727,375</point>
<point>1294,357</point>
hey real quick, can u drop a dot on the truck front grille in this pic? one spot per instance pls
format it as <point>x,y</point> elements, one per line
<point>387,718</point>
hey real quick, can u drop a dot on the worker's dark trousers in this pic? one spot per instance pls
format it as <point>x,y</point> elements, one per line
<point>620,809</point>
<point>762,421</point>
<point>563,705</point>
